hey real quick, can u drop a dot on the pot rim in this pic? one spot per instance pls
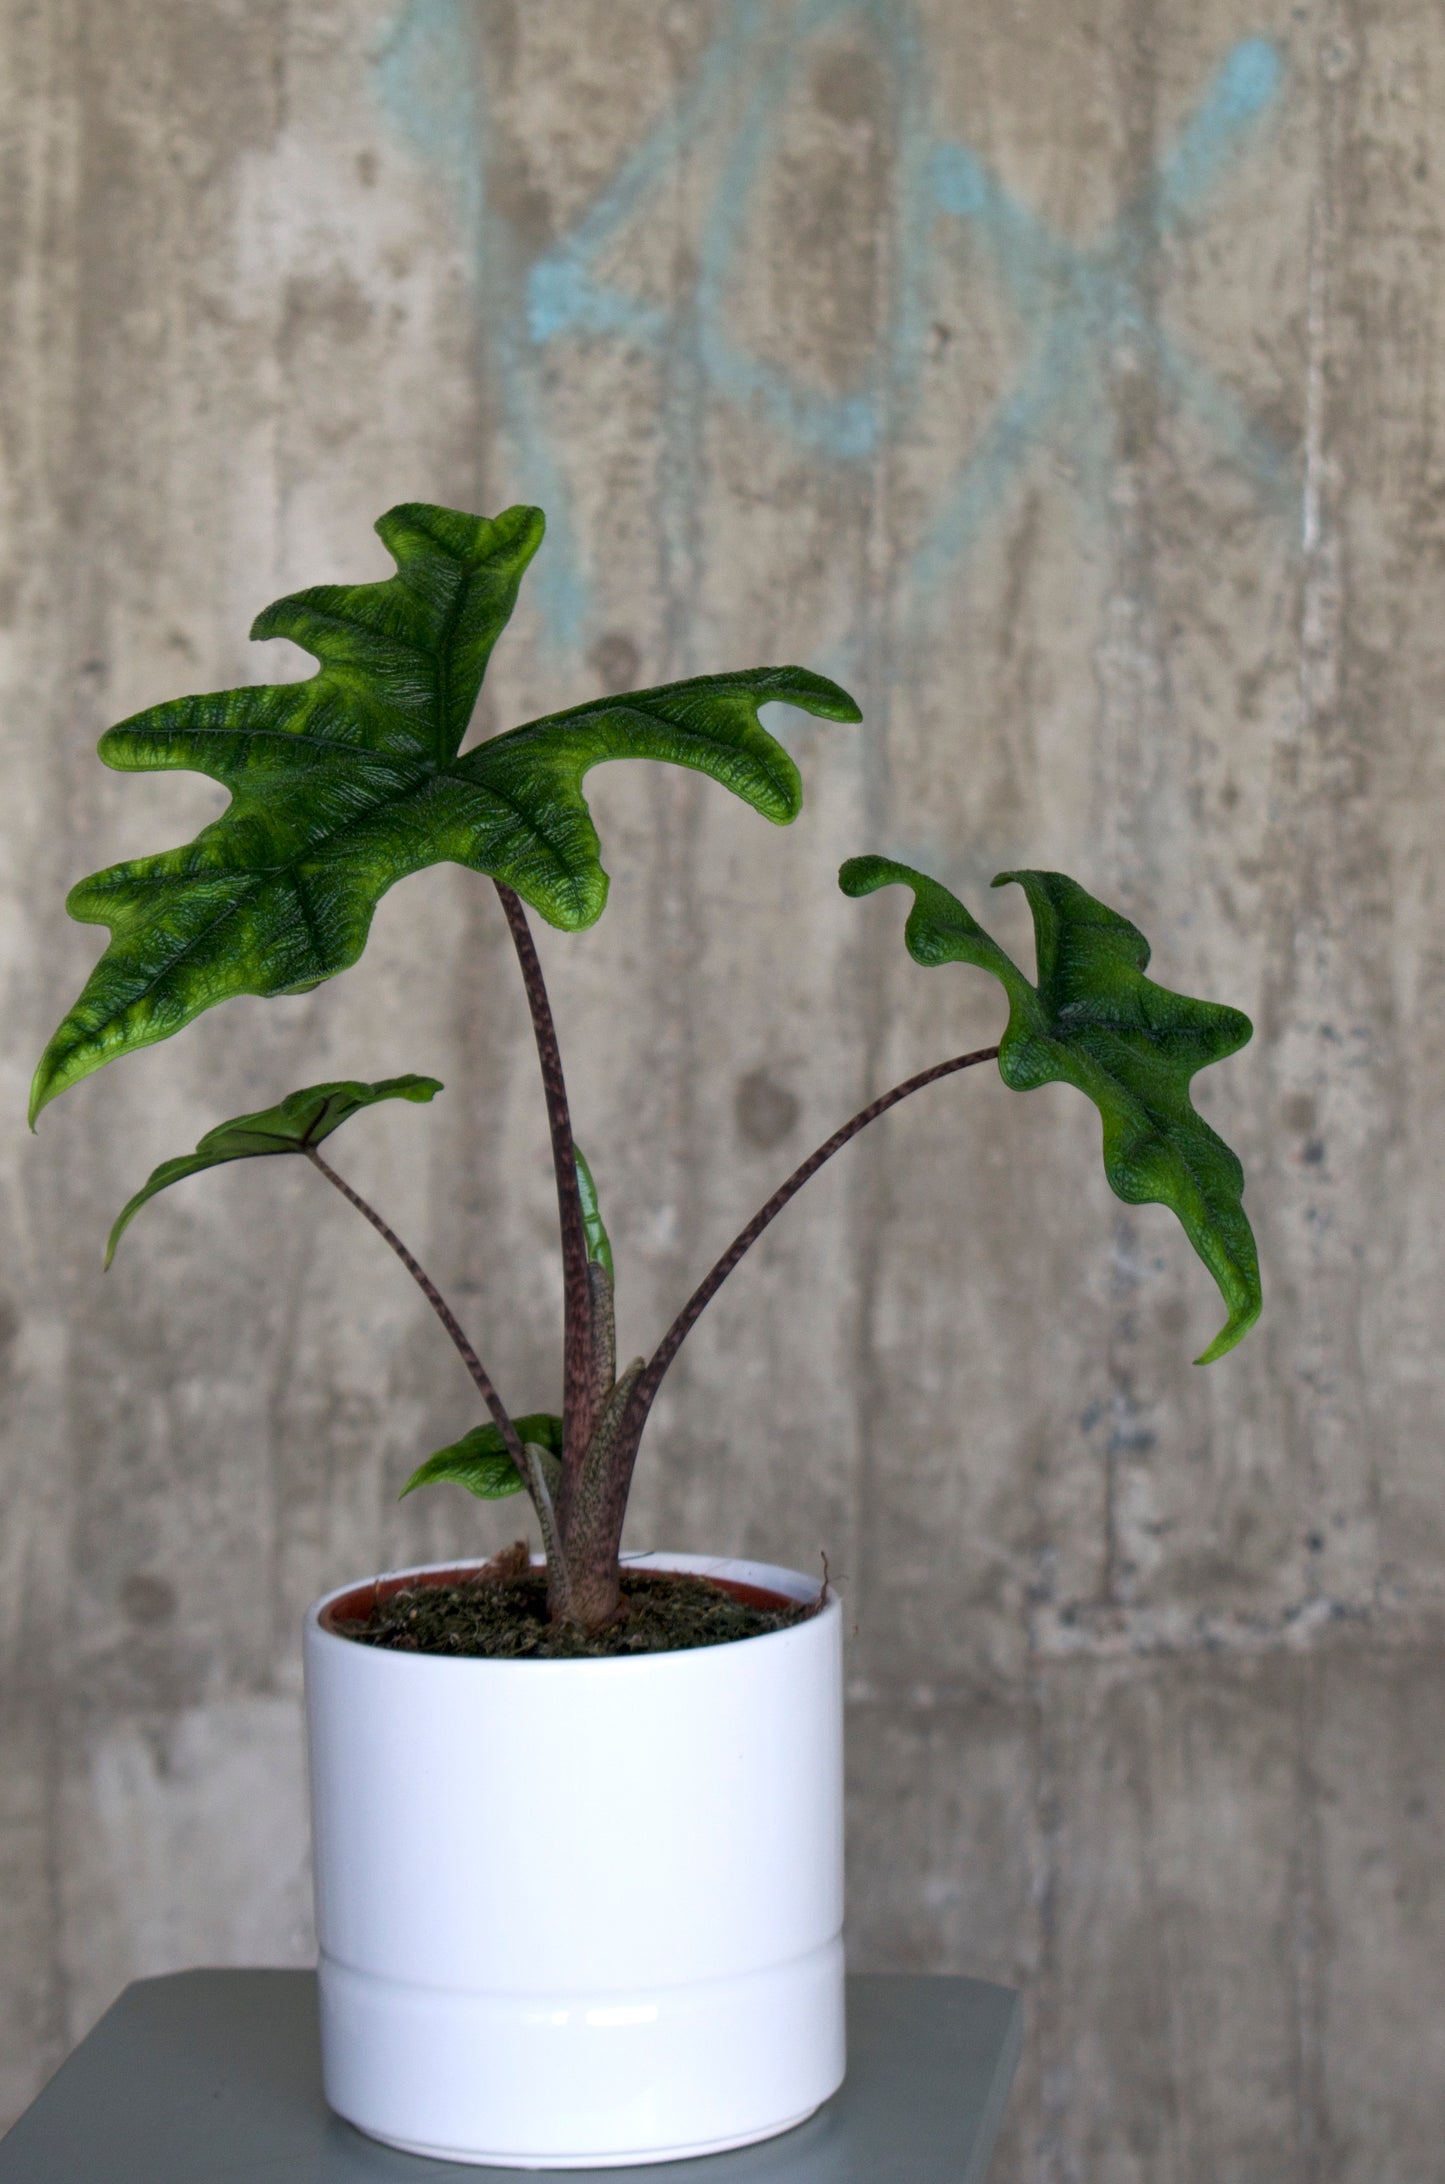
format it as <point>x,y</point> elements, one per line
<point>794,1585</point>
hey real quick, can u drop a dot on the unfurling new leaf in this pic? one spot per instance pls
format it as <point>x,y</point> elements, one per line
<point>1095,1021</point>
<point>601,1275</point>
<point>346,783</point>
<point>479,1460</point>
<point>594,1229</point>
<point>300,1121</point>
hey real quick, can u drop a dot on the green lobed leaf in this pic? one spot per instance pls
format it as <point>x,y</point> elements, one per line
<point>1095,1021</point>
<point>479,1460</point>
<point>346,783</point>
<point>599,1243</point>
<point>301,1120</point>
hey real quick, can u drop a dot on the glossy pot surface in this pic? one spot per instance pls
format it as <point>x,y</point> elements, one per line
<point>584,1913</point>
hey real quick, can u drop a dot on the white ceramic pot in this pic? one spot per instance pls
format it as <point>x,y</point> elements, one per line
<point>580,1914</point>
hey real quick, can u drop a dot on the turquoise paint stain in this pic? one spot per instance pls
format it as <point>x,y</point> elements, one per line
<point>1082,305</point>
<point>431,89</point>
<point>1247,85</point>
<point>563,298</point>
<point>852,425</point>
<point>433,92</point>
<point>844,426</point>
<point>565,293</point>
<point>1086,307</point>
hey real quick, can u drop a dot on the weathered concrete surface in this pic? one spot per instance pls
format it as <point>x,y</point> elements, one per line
<point>1068,380</point>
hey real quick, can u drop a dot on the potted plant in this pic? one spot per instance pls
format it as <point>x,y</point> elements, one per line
<point>577,1820</point>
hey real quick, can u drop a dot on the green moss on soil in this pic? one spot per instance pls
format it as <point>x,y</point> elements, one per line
<point>504,1618</point>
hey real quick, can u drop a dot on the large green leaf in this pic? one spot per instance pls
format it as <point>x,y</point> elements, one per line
<point>344,784</point>
<point>1095,1021</point>
<point>300,1121</point>
<point>479,1460</point>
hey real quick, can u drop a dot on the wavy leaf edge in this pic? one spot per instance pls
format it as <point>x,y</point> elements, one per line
<point>939,929</point>
<point>350,780</point>
<point>302,1119</point>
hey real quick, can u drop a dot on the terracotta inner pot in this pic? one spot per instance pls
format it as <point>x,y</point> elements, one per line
<point>353,1606</point>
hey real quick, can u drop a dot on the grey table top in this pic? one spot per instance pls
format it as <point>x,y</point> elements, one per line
<point>214,2078</point>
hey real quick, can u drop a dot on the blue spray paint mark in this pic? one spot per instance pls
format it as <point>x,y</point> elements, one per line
<point>847,426</point>
<point>1086,308</point>
<point>1082,305</point>
<point>563,291</point>
<point>434,95</point>
<point>565,294</point>
<point>1247,85</point>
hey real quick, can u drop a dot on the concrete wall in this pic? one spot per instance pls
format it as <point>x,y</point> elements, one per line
<point>1068,380</point>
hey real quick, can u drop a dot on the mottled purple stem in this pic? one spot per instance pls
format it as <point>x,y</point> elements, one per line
<point>480,1376</point>
<point>576,1290</point>
<point>635,1417</point>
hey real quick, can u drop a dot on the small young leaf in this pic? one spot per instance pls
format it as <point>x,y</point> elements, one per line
<point>346,783</point>
<point>480,1463</point>
<point>599,1246</point>
<point>1095,1021</point>
<point>301,1120</point>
